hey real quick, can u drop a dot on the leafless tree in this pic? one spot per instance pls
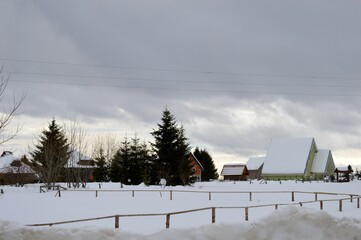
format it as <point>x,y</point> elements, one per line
<point>7,113</point>
<point>109,143</point>
<point>78,140</point>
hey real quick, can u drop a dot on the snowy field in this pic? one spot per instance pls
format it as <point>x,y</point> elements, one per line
<point>23,206</point>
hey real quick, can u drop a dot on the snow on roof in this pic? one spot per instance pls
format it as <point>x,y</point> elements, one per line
<point>255,163</point>
<point>320,162</point>
<point>233,169</point>
<point>74,159</point>
<point>287,156</point>
<point>6,160</point>
<point>5,165</point>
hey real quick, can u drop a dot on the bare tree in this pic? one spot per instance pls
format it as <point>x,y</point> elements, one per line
<point>8,113</point>
<point>109,143</point>
<point>76,173</point>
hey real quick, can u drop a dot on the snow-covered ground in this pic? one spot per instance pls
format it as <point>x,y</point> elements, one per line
<point>22,206</point>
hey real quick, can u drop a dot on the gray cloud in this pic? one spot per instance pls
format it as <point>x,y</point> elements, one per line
<point>234,73</point>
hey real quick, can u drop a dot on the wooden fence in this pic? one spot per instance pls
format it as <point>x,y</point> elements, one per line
<point>351,198</point>
<point>211,193</point>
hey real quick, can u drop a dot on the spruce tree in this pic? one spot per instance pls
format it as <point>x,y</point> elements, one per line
<point>100,173</point>
<point>51,154</point>
<point>171,148</point>
<point>210,170</point>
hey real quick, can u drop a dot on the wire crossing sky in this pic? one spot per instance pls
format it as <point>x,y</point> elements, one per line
<point>234,73</point>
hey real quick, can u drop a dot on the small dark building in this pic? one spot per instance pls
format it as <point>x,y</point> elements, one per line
<point>343,173</point>
<point>235,172</point>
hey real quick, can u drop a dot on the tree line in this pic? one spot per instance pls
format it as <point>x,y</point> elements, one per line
<point>133,162</point>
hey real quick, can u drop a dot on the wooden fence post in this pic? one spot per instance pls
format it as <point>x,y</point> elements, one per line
<point>116,221</point>
<point>96,193</point>
<point>321,205</point>
<point>358,202</point>
<point>171,195</point>
<point>167,221</point>
<point>316,196</point>
<point>250,196</point>
<point>293,196</point>
<point>210,196</point>
<point>340,205</point>
<point>133,193</point>
<point>213,215</point>
<point>246,213</point>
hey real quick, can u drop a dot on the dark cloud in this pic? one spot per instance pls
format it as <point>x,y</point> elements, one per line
<point>234,73</point>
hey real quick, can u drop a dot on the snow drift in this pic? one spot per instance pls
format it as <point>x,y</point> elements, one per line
<point>287,223</point>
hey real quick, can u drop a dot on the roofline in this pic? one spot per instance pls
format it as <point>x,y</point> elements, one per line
<point>199,163</point>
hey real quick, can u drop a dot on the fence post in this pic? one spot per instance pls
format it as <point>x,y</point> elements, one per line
<point>167,221</point>
<point>250,196</point>
<point>246,213</point>
<point>276,206</point>
<point>213,215</point>
<point>210,196</point>
<point>116,221</point>
<point>171,195</point>
<point>351,198</point>
<point>96,193</point>
<point>321,205</point>
<point>133,193</point>
<point>358,202</point>
<point>340,205</point>
<point>293,196</point>
<point>316,196</point>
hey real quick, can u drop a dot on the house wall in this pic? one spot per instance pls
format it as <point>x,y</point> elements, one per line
<point>310,160</point>
<point>16,178</point>
<point>235,177</point>
<point>196,170</point>
<point>255,174</point>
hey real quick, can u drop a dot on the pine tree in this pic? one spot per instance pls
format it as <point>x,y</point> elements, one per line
<point>171,148</point>
<point>210,170</point>
<point>120,163</point>
<point>101,171</point>
<point>51,154</point>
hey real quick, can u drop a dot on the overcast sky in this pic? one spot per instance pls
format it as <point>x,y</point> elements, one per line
<point>235,73</point>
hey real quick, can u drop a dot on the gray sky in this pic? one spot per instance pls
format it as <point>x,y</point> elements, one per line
<point>235,73</point>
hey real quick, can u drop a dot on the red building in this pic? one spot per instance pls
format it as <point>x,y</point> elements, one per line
<point>196,168</point>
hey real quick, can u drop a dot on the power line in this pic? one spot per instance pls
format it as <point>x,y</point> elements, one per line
<point>174,70</point>
<point>192,89</point>
<point>184,81</point>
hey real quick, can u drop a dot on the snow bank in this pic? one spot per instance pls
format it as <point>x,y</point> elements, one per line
<point>288,223</point>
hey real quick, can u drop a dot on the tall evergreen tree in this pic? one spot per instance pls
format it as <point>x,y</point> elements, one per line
<point>51,154</point>
<point>101,171</point>
<point>210,170</point>
<point>171,148</point>
<point>131,163</point>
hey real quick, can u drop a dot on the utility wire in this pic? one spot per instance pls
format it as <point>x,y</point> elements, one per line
<point>174,70</point>
<point>190,89</point>
<point>184,81</point>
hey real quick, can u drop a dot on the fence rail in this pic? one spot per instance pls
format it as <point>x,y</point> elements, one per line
<point>168,215</point>
<point>210,193</point>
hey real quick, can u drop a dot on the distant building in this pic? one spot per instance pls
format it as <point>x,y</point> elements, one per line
<point>80,167</point>
<point>296,158</point>
<point>196,168</point>
<point>343,173</point>
<point>235,172</point>
<point>254,166</point>
<point>13,171</point>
